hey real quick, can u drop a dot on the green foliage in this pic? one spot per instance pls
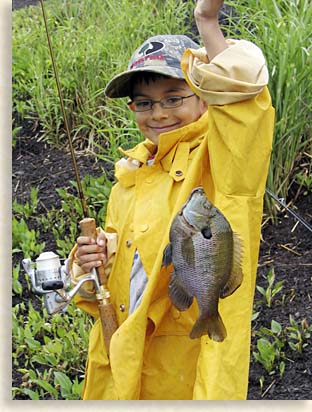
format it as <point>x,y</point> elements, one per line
<point>272,289</point>
<point>25,240</point>
<point>298,334</point>
<point>17,288</point>
<point>272,343</point>
<point>15,132</point>
<point>63,223</point>
<point>304,179</point>
<point>28,209</point>
<point>270,346</point>
<point>49,353</point>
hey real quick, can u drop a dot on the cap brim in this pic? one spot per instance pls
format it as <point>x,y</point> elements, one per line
<point>120,85</point>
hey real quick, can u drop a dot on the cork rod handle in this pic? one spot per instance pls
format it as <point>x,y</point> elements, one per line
<point>106,308</point>
<point>88,228</point>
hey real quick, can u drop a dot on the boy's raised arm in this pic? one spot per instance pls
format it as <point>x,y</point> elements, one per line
<point>206,16</point>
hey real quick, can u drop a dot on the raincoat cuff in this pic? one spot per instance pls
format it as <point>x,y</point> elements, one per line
<point>238,73</point>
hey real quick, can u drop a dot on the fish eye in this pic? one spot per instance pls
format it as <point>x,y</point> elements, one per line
<point>206,232</point>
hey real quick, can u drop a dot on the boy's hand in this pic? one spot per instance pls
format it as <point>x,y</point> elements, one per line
<point>208,8</point>
<point>91,253</point>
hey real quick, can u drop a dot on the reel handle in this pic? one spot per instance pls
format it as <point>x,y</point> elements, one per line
<point>52,285</point>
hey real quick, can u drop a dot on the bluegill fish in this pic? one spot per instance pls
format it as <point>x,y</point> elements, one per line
<point>206,257</point>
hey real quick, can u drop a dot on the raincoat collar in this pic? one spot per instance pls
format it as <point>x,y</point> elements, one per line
<point>172,151</point>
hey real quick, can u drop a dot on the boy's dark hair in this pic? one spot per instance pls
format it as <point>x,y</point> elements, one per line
<point>144,77</point>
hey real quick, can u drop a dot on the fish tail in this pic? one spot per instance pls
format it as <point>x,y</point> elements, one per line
<point>213,325</point>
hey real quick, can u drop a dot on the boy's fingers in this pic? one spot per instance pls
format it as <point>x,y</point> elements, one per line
<point>84,240</point>
<point>88,250</point>
<point>92,258</point>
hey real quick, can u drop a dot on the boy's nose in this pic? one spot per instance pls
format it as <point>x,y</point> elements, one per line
<point>158,112</point>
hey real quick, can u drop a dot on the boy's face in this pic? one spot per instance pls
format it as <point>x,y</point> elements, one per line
<point>159,119</point>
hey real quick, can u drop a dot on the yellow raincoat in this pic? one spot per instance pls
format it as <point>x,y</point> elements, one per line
<point>227,151</point>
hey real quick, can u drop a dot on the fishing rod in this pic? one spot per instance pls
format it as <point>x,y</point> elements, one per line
<point>50,279</point>
<point>292,212</point>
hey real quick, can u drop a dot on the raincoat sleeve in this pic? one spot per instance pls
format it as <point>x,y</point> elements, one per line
<point>240,115</point>
<point>236,74</point>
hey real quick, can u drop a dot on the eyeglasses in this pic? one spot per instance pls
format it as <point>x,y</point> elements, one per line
<point>143,105</point>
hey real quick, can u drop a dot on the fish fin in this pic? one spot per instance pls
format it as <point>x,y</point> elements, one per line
<point>187,250</point>
<point>177,293</point>
<point>236,275</point>
<point>167,256</point>
<point>212,325</point>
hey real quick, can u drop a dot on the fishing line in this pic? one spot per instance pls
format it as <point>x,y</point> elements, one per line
<point>281,202</point>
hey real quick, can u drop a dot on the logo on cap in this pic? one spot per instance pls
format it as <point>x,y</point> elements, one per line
<point>150,48</point>
<point>147,54</point>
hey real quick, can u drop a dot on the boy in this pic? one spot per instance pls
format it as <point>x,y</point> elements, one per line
<point>209,124</point>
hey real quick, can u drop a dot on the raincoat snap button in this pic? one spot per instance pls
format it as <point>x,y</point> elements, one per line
<point>122,307</point>
<point>144,227</point>
<point>129,243</point>
<point>178,173</point>
<point>175,313</point>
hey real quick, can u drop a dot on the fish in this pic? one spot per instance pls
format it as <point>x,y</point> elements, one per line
<point>206,257</point>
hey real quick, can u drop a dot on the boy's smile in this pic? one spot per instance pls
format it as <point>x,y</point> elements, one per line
<point>158,119</point>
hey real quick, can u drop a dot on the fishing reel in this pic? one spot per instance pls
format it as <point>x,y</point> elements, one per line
<point>51,279</point>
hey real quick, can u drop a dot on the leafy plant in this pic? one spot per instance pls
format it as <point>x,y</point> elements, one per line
<point>25,240</point>
<point>272,289</point>
<point>15,132</point>
<point>17,288</point>
<point>303,178</point>
<point>298,334</point>
<point>48,353</point>
<point>28,209</point>
<point>269,348</point>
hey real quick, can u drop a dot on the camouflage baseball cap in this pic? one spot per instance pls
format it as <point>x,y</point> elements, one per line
<point>159,54</point>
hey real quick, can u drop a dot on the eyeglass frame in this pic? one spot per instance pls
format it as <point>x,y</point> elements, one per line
<point>152,102</point>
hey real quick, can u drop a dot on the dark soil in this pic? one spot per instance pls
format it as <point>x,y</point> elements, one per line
<point>286,247</point>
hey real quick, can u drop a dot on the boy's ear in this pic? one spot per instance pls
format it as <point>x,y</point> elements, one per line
<point>131,105</point>
<point>203,106</point>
